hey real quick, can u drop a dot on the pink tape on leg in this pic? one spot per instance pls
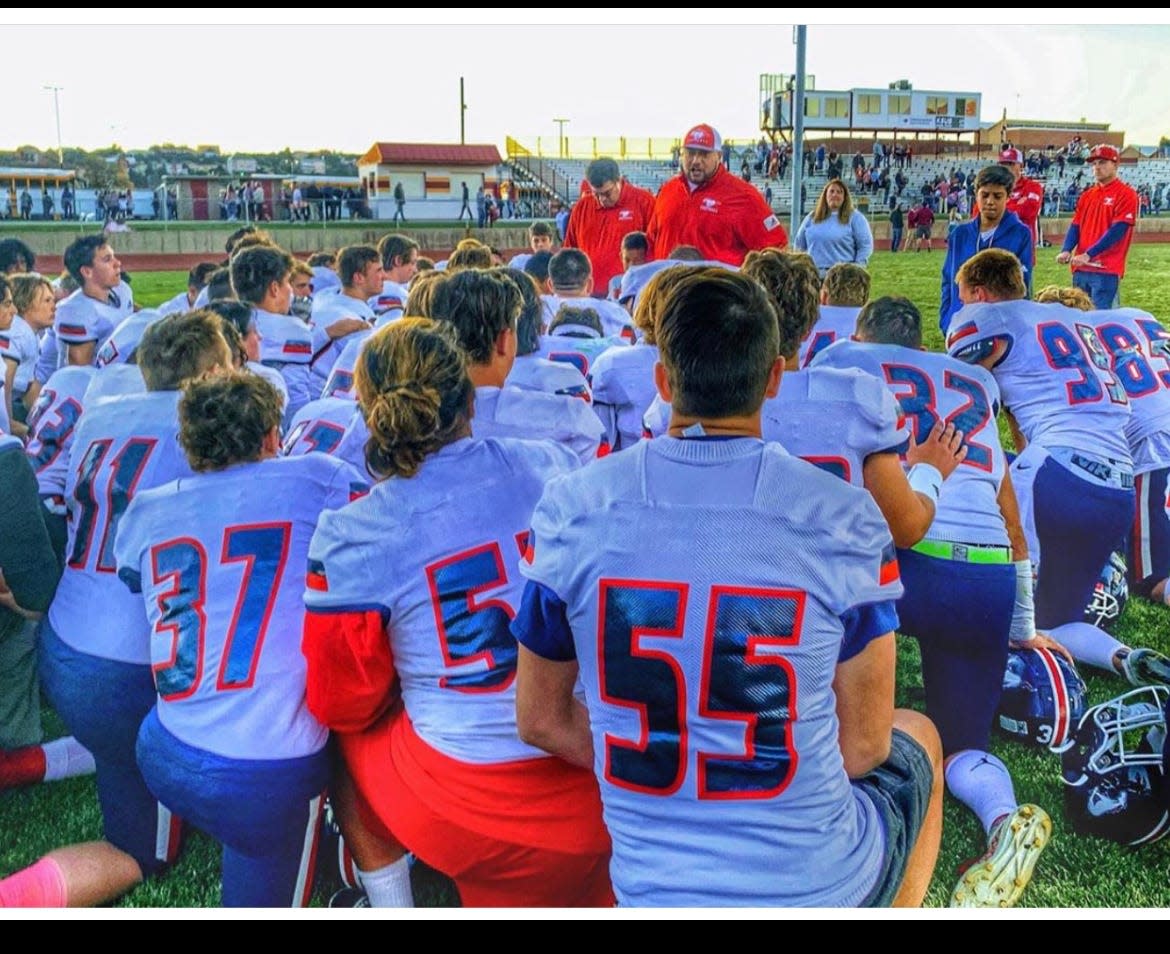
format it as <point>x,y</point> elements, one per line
<point>41,885</point>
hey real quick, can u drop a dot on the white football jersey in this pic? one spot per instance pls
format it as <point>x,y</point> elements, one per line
<point>18,344</point>
<point>319,426</point>
<point>122,344</point>
<point>180,304</point>
<point>533,415</point>
<point>390,303</point>
<point>52,422</point>
<point>326,311</point>
<point>1055,376</point>
<point>532,373</point>
<point>114,380</point>
<point>81,319</point>
<point>287,346</point>
<point>445,544</point>
<point>835,323</point>
<point>1140,348</point>
<point>219,558</point>
<point>615,320</point>
<point>623,389</point>
<point>122,446</point>
<point>340,380</point>
<point>577,345</point>
<point>834,420</point>
<point>930,387</point>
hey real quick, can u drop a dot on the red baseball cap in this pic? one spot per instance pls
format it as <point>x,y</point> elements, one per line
<point>1104,151</point>
<point>1011,155</point>
<point>704,138</point>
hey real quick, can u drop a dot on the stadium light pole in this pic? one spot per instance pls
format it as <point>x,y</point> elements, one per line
<point>57,113</point>
<point>561,136</point>
<point>797,213</point>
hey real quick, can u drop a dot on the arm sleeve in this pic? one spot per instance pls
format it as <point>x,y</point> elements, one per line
<point>862,239</point>
<point>947,287</point>
<point>1071,238</point>
<point>542,625</point>
<point>800,241</point>
<point>1115,234</point>
<point>26,555</point>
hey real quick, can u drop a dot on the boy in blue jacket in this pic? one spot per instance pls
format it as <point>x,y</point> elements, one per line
<point>995,227</point>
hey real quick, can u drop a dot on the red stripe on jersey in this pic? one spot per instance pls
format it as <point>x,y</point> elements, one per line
<point>889,572</point>
<point>297,347</point>
<point>77,331</point>
<point>389,303</point>
<point>603,448</point>
<point>5,343</point>
<point>317,581</point>
<point>962,332</point>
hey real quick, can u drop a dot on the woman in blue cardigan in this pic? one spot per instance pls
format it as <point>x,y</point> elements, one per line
<point>834,231</point>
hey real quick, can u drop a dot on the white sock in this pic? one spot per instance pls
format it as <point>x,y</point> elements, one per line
<point>65,758</point>
<point>388,887</point>
<point>981,782</point>
<point>1088,644</point>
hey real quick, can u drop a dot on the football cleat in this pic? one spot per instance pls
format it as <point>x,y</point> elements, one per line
<point>1110,593</point>
<point>350,898</point>
<point>1113,769</point>
<point>999,877</point>
<point>1146,667</point>
<point>1043,697</point>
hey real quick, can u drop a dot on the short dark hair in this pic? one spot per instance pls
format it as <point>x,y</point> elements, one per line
<point>199,275</point>
<point>394,246</point>
<point>15,256</point>
<point>600,171</point>
<point>324,259</point>
<point>995,270</point>
<point>219,285</point>
<point>569,269</point>
<point>80,252</point>
<point>537,266</point>
<point>542,228</point>
<point>229,246</point>
<point>891,319</point>
<point>254,269</point>
<point>569,315</point>
<point>531,320</point>
<point>235,313</point>
<point>718,339</point>
<point>354,259</point>
<point>224,419</point>
<point>480,305</point>
<point>179,348</point>
<point>635,240</point>
<point>794,286</point>
<point>685,253</point>
<point>996,175</point>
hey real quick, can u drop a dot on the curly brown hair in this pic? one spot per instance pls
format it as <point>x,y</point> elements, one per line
<point>414,392</point>
<point>794,285</point>
<point>1076,298</point>
<point>224,418</point>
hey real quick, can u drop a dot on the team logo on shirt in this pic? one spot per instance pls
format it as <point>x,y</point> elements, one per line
<point>771,222</point>
<point>709,205</point>
<point>625,215</point>
<point>1108,200</point>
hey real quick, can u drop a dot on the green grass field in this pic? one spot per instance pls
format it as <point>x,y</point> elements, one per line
<point>1074,872</point>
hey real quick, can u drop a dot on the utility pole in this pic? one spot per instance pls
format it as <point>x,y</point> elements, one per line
<point>462,115</point>
<point>57,112</point>
<point>561,136</point>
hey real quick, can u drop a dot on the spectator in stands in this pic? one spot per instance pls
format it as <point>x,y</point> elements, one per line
<point>835,231</point>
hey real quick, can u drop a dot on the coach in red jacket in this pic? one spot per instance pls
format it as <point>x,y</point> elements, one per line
<point>708,207</point>
<point>608,210</point>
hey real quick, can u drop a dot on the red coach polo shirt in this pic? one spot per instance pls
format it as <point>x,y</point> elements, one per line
<point>598,232</point>
<point>1099,207</point>
<point>724,218</point>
